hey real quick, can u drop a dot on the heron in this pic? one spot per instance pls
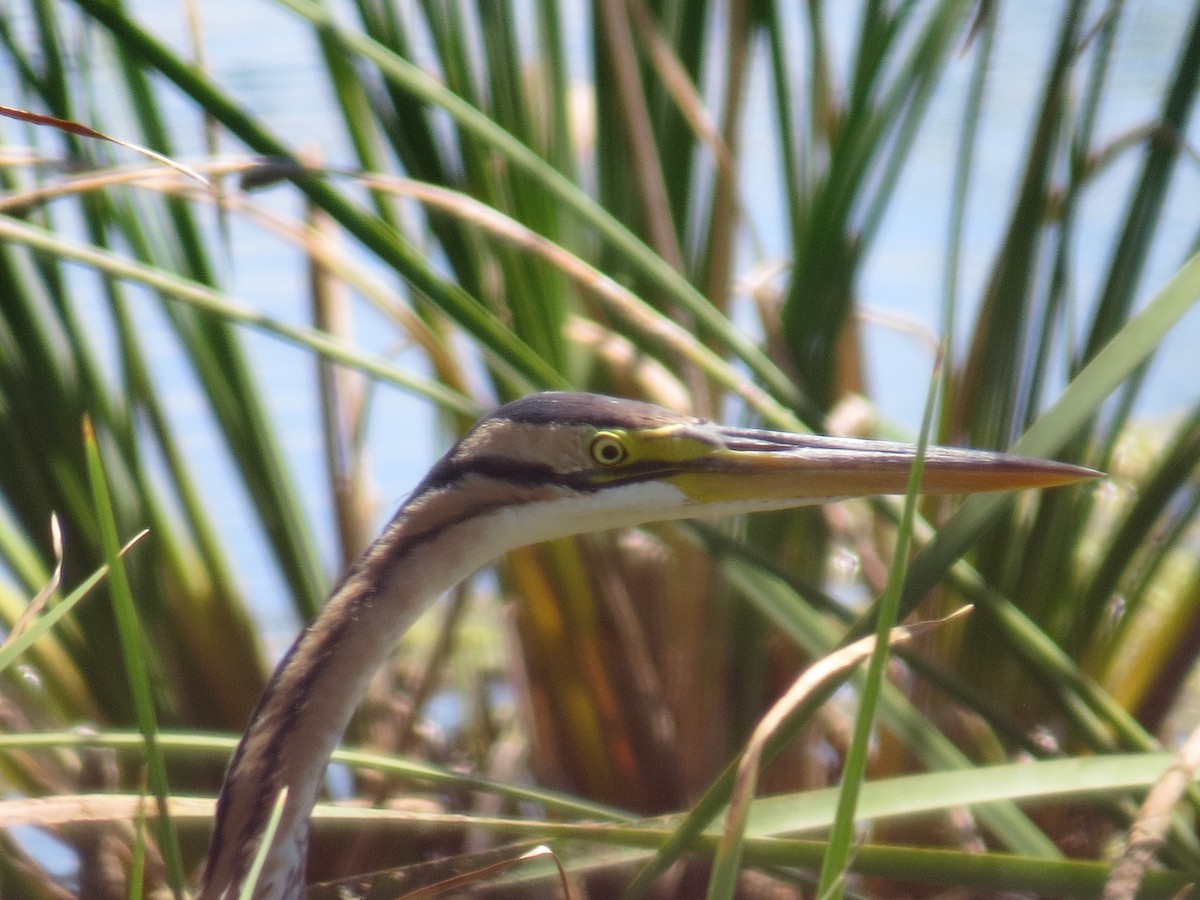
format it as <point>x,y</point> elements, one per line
<point>547,466</point>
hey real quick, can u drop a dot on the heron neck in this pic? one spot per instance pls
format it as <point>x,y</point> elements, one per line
<point>426,549</point>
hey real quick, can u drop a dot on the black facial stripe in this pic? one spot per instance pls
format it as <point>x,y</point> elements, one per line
<point>450,471</point>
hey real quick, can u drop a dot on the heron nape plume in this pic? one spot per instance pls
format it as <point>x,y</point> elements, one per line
<point>546,466</point>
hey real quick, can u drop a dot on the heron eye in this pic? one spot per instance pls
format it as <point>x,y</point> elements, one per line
<point>607,449</point>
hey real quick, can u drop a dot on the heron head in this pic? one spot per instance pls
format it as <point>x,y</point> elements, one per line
<point>607,462</point>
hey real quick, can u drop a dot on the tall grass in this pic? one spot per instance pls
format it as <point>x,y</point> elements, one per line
<point>520,220</point>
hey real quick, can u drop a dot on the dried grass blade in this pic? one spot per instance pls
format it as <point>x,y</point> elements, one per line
<point>43,596</point>
<point>19,643</point>
<point>76,128</point>
<point>729,851</point>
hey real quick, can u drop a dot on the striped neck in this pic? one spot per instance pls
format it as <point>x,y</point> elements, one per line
<point>433,542</point>
<point>447,530</point>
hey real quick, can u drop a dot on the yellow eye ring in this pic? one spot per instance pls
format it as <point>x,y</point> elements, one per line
<point>607,449</point>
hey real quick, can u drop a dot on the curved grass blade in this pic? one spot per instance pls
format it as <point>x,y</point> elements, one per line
<point>206,746</point>
<point>1096,777</point>
<point>205,298</point>
<point>728,858</point>
<point>81,130</point>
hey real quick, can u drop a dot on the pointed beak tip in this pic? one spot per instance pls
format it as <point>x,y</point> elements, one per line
<point>1069,473</point>
<point>1027,474</point>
